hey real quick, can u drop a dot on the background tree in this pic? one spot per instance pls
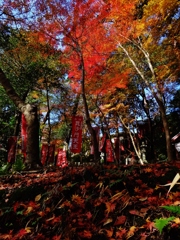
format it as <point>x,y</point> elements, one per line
<point>24,63</point>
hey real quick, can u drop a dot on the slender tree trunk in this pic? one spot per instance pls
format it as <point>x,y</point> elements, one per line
<point>136,148</point>
<point>166,129</point>
<point>74,111</point>
<point>88,120</point>
<point>151,152</point>
<point>32,157</point>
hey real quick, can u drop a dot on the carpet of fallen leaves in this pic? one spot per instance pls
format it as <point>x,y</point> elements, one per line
<point>89,202</point>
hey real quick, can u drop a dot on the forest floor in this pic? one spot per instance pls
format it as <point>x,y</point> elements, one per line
<point>91,202</point>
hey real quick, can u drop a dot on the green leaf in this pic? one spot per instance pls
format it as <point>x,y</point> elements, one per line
<point>20,212</point>
<point>173,209</point>
<point>162,222</point>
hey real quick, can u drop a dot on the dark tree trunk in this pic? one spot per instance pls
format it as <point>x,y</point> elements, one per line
<point>74,111</point>
<point>88,120</point>
<point>151,152</point>
<point>166,128</point>
<point>32,157</point>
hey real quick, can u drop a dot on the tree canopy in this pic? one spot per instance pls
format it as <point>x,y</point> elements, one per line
<point>108,54</point>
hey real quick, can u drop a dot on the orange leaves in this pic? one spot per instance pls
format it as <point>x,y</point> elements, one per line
<point>131,232</point>
<point>142,212</point>
<point>110,207</point>
<point>102,208</point>
<point>77,199</point>
<point>25,209</point>
<point>120,233</point>
<point>22,233</point>
<point>85,234</point>
<point>19,235</point>
<point>150,225</point>
<point>108,232</point>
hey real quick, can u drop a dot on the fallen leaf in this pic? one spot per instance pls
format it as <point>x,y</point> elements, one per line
<point>134,212</point>
<point>143,199</point>
<point>120,233</point>
<point>28,210</point>
<point>150,225</point>
<point>89,215</point>
<point>120,220</point>
<point>37,198</point>
<point>77,199</point>
<point>109,220</point>
<point>109,233</point>
<point>131,232</point>
<point>177,220</point>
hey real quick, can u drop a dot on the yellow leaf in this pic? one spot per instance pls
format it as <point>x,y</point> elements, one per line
<point>131,232</point>
<point>100,185</point>
<point>176,203</point>
<point>143,199</point>
<point>37,198</point>
<point>177,220</point>
<point>28,229</point>
<point>109,233</point>
<point>28,210</point>
<point>109,220</point>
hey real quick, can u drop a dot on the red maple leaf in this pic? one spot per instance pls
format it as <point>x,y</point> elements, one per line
<point>120,220</point>
<point>149,225</point>
<point>89,215</point>
<point>22,232</point>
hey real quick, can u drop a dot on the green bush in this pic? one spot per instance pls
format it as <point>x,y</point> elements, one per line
<point>18,166</point>
<point>4,169</point>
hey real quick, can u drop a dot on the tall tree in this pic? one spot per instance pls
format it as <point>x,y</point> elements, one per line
<point>156,67</point>
<point>26,64</point>
<point>89,32</point>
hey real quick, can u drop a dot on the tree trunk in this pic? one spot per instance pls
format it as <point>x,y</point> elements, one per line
<point>151,153</point>
<point>32,157</point>
<point>88,120</point>
<point>166,129</point>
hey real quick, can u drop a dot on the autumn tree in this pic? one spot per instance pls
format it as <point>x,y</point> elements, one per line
<point>23,66</point>
<point>90,32</point>
<point>150,56</point>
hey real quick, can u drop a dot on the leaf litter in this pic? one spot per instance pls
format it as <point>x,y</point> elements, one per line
<point>92,202</point>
